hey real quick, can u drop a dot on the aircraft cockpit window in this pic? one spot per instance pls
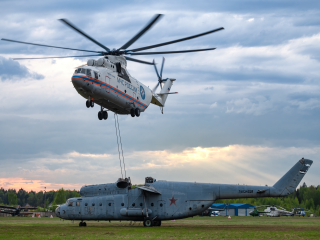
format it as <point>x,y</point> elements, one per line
<point>78,70</point>
<point>88,73</point>
<point>83,70</point>
<point>70,204</point>
<point>78,204</point>
<point>272,209</point>
<point>95,75</point>
<point>124,75</point>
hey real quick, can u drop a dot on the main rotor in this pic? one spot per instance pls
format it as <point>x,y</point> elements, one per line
<point>123,49</point>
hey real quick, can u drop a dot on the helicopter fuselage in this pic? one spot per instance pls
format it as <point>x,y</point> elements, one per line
<point>113,89</point>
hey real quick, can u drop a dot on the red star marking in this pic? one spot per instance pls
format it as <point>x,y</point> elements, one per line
<point>173,201</point>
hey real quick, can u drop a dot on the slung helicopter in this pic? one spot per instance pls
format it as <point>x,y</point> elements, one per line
<point>107,82</point>
<point>164,200</point>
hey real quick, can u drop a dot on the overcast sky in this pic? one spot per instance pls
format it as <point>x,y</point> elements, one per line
<point>245,113</point>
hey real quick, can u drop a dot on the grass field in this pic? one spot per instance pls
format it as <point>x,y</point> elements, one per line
<point>191,228</point>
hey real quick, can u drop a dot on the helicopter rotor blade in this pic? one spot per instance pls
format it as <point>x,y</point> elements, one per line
<point>170,52</point>
<point>163,60</point>
<point>43,45</point>
<point>175,41</point>
<point>158,75</point>
<point>65,21</point>
<point>57,57</point>
<point>153,20</point>
<point>139,61</point>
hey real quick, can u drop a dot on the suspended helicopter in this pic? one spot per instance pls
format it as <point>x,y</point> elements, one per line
<point>107,82</point>
<point>156,201</point>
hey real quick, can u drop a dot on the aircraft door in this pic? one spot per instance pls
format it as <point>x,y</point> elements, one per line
<point>110,209</point>
<point>162,209</point>
<point>77,209</point>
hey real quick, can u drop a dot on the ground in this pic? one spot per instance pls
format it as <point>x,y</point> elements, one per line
<point>191,228</point>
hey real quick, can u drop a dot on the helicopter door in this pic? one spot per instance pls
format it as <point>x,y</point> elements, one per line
<point>134,95</point>
<point>161,209</point>
<point>107,80</point>
<point>110,208</point>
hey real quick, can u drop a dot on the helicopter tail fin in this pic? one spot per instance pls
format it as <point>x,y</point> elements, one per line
<point>290,181</point>
<point>160,99</point>
<point>166,90</point>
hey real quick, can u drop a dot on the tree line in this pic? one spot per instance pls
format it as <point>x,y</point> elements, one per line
<point>36,199</point>
<point>304,197</point>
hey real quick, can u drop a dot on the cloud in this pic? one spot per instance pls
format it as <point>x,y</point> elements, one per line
<point>13,70</point>
<point>229,164</point>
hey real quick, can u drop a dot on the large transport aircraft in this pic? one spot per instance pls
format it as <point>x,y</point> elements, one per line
<point>164,200</point>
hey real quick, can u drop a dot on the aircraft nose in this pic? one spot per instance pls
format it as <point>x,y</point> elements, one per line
<point>57,211</point>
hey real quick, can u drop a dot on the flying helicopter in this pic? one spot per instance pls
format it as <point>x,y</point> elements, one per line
<point>108,83</point>
<point>156,201</point>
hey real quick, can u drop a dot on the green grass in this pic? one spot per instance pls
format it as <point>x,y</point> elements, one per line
<point>191,228</point>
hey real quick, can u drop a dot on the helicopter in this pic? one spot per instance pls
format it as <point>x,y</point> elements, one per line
<point>256,213</point>
<point>156,201</point>
<point>108,83</point>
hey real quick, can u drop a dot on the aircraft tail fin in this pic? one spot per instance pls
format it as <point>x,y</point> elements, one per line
<point>290,181</point>
<point>161,98</point>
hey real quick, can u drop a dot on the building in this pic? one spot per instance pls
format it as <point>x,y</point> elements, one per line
<point>233,209</point>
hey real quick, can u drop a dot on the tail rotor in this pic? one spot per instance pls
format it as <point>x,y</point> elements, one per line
<point>160,80</point>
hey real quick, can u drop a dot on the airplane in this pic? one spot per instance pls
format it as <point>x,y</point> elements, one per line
<point>14,211</point>
<point>157,201</point>
<point>108,83</point>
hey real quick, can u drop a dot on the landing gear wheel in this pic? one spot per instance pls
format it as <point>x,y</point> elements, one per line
<point>87,103</point>
<point>105,115</point>
<point>148,222</point>
<point>132,112</point>
<point>91,103</point>
<point>137,112</point>
<point>100,115</point>
<point>84,224</point>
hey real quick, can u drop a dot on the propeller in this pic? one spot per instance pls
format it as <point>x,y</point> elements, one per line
<point>123,50</point>
<point>160,80</point>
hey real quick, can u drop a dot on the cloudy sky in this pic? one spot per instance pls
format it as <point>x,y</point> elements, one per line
<point>245,113</point>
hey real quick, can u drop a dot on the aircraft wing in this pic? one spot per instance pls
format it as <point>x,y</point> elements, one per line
<point>8,210</point>
<point>149,188</point>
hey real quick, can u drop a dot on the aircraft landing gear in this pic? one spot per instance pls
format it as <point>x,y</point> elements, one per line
<point>103,115</point>
<point>148,222</point>
<point>89,103</point>
<point>132,112</point>
<point>82,224</point>
<point>157,223</point>
<point>135,112</point>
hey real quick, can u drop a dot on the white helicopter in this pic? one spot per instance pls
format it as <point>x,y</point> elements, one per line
<point>273,211</point>
<point>107,82</point>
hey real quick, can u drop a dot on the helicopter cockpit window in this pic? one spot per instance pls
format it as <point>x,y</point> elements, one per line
<point>70,204</point>
<point>124,75</point>
<point>88,73</point>
<point>78,70</point>
<point>95,75</point>
<point>83,70</point>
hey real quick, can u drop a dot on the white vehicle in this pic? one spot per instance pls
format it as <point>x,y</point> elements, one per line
<point>107,82</point>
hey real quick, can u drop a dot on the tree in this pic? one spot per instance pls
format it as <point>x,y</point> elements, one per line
<point>60,197</point>
<point>12,197</point>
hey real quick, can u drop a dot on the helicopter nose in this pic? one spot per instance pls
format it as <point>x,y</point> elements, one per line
<point>57,211</point>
